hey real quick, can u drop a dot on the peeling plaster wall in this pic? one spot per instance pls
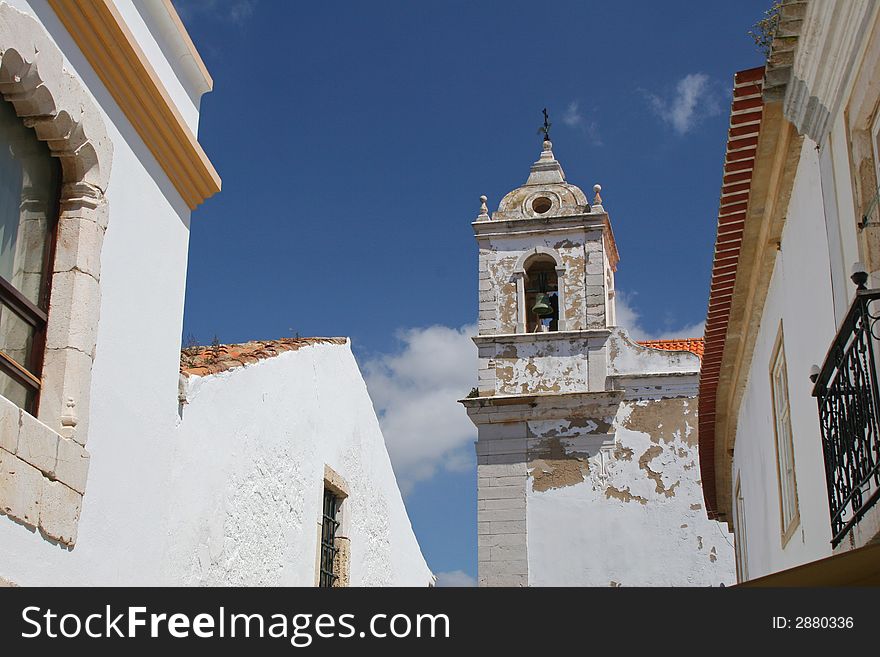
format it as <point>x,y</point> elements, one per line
<point>543,364</point>
<point>582,255</point>
<point>627,357</point>
<point>596,485</point>
<point>624,509</point>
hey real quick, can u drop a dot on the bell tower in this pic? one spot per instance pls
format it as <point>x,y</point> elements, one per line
<point>560,390</point>
<point>552,246</point>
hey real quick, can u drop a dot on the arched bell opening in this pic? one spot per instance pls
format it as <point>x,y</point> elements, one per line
<point>541,295</point>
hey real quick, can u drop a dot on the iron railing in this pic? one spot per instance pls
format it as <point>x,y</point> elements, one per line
<point>846,389</point>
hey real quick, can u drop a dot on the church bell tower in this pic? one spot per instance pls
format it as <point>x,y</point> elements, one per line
<point>560,405</point>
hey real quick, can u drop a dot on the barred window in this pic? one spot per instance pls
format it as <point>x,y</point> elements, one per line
<point>328,540</point>
<point>30,187</point>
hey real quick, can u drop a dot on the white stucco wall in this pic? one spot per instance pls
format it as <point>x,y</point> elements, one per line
<point>800,298</point>
<point>249,461</point>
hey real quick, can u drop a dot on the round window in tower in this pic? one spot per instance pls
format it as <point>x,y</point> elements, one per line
<point>541,204</point>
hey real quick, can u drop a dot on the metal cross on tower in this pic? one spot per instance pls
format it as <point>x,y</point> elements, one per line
<point>546,127</point>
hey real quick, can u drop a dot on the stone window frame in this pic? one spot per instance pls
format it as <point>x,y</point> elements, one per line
<point>875,147</point>
<point>43,460</point>
<point>335,483</point>
<point>519,274</point>
<point>862,129</point>
<point>781,409</point>
<point>868,195</point>
<point>739,536</point>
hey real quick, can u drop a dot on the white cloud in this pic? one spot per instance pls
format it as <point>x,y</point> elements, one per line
<point>574,118</point>
<point>455,578</point>
<point>415,392</point>
<point>693,100</point>
<point>234,11</point>
<point>629,318</point>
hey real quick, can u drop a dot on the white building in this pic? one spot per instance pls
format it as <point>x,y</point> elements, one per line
<point>287,423</point>
<point>791,454</point>
<point>101,482</point>
<point>587,442</point>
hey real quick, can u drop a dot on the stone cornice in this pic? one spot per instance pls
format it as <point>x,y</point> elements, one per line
<point>565,223</point>
<point>196,58</point>
<point>512,408</point>
<point>511,338</point>
<point>813,57</point>
<point>502,226</point>
<point>106,42</point>
<point>651,375</point>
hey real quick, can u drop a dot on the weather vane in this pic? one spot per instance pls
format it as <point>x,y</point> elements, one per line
<point>546,127</point>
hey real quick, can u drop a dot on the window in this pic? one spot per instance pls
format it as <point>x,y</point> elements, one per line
<point>784,446</point>
<point>875,151</point>
<point>333,559</point>
<point>329,526</point>
<point>542,292</point>
<point>742,566</point>
<point>29,194</point>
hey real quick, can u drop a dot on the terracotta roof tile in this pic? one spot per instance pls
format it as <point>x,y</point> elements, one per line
<point>747,108</point>
<point>201,361</point>
<point>693,345</point>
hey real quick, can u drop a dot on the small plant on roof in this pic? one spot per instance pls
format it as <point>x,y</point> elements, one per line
<point>212,354</point>
<point>190,350</point>
<point>764,31</point>
<point>190,342</point>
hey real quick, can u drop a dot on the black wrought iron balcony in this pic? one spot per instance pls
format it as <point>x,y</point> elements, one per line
<point>849,400</point>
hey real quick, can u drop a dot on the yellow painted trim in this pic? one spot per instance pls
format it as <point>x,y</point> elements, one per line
<point>103,37</point>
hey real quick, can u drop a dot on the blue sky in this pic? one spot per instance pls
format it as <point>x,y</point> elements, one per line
<point>354,140</point>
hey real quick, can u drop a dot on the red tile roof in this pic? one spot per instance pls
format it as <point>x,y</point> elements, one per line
<point>745,123</point>
<point>693,345</point>
<point>201,361</point>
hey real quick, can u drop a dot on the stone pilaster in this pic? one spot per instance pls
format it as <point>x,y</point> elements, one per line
<point>501,505</point>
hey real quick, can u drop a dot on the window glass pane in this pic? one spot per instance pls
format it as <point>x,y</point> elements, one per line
<point>29,180</point>
<point>16,338</point>
<point>784,442</point>
<point>18,394</point>
<point>788,474</point>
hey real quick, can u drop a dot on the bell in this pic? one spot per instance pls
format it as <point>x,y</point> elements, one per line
<point>542,306</point>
